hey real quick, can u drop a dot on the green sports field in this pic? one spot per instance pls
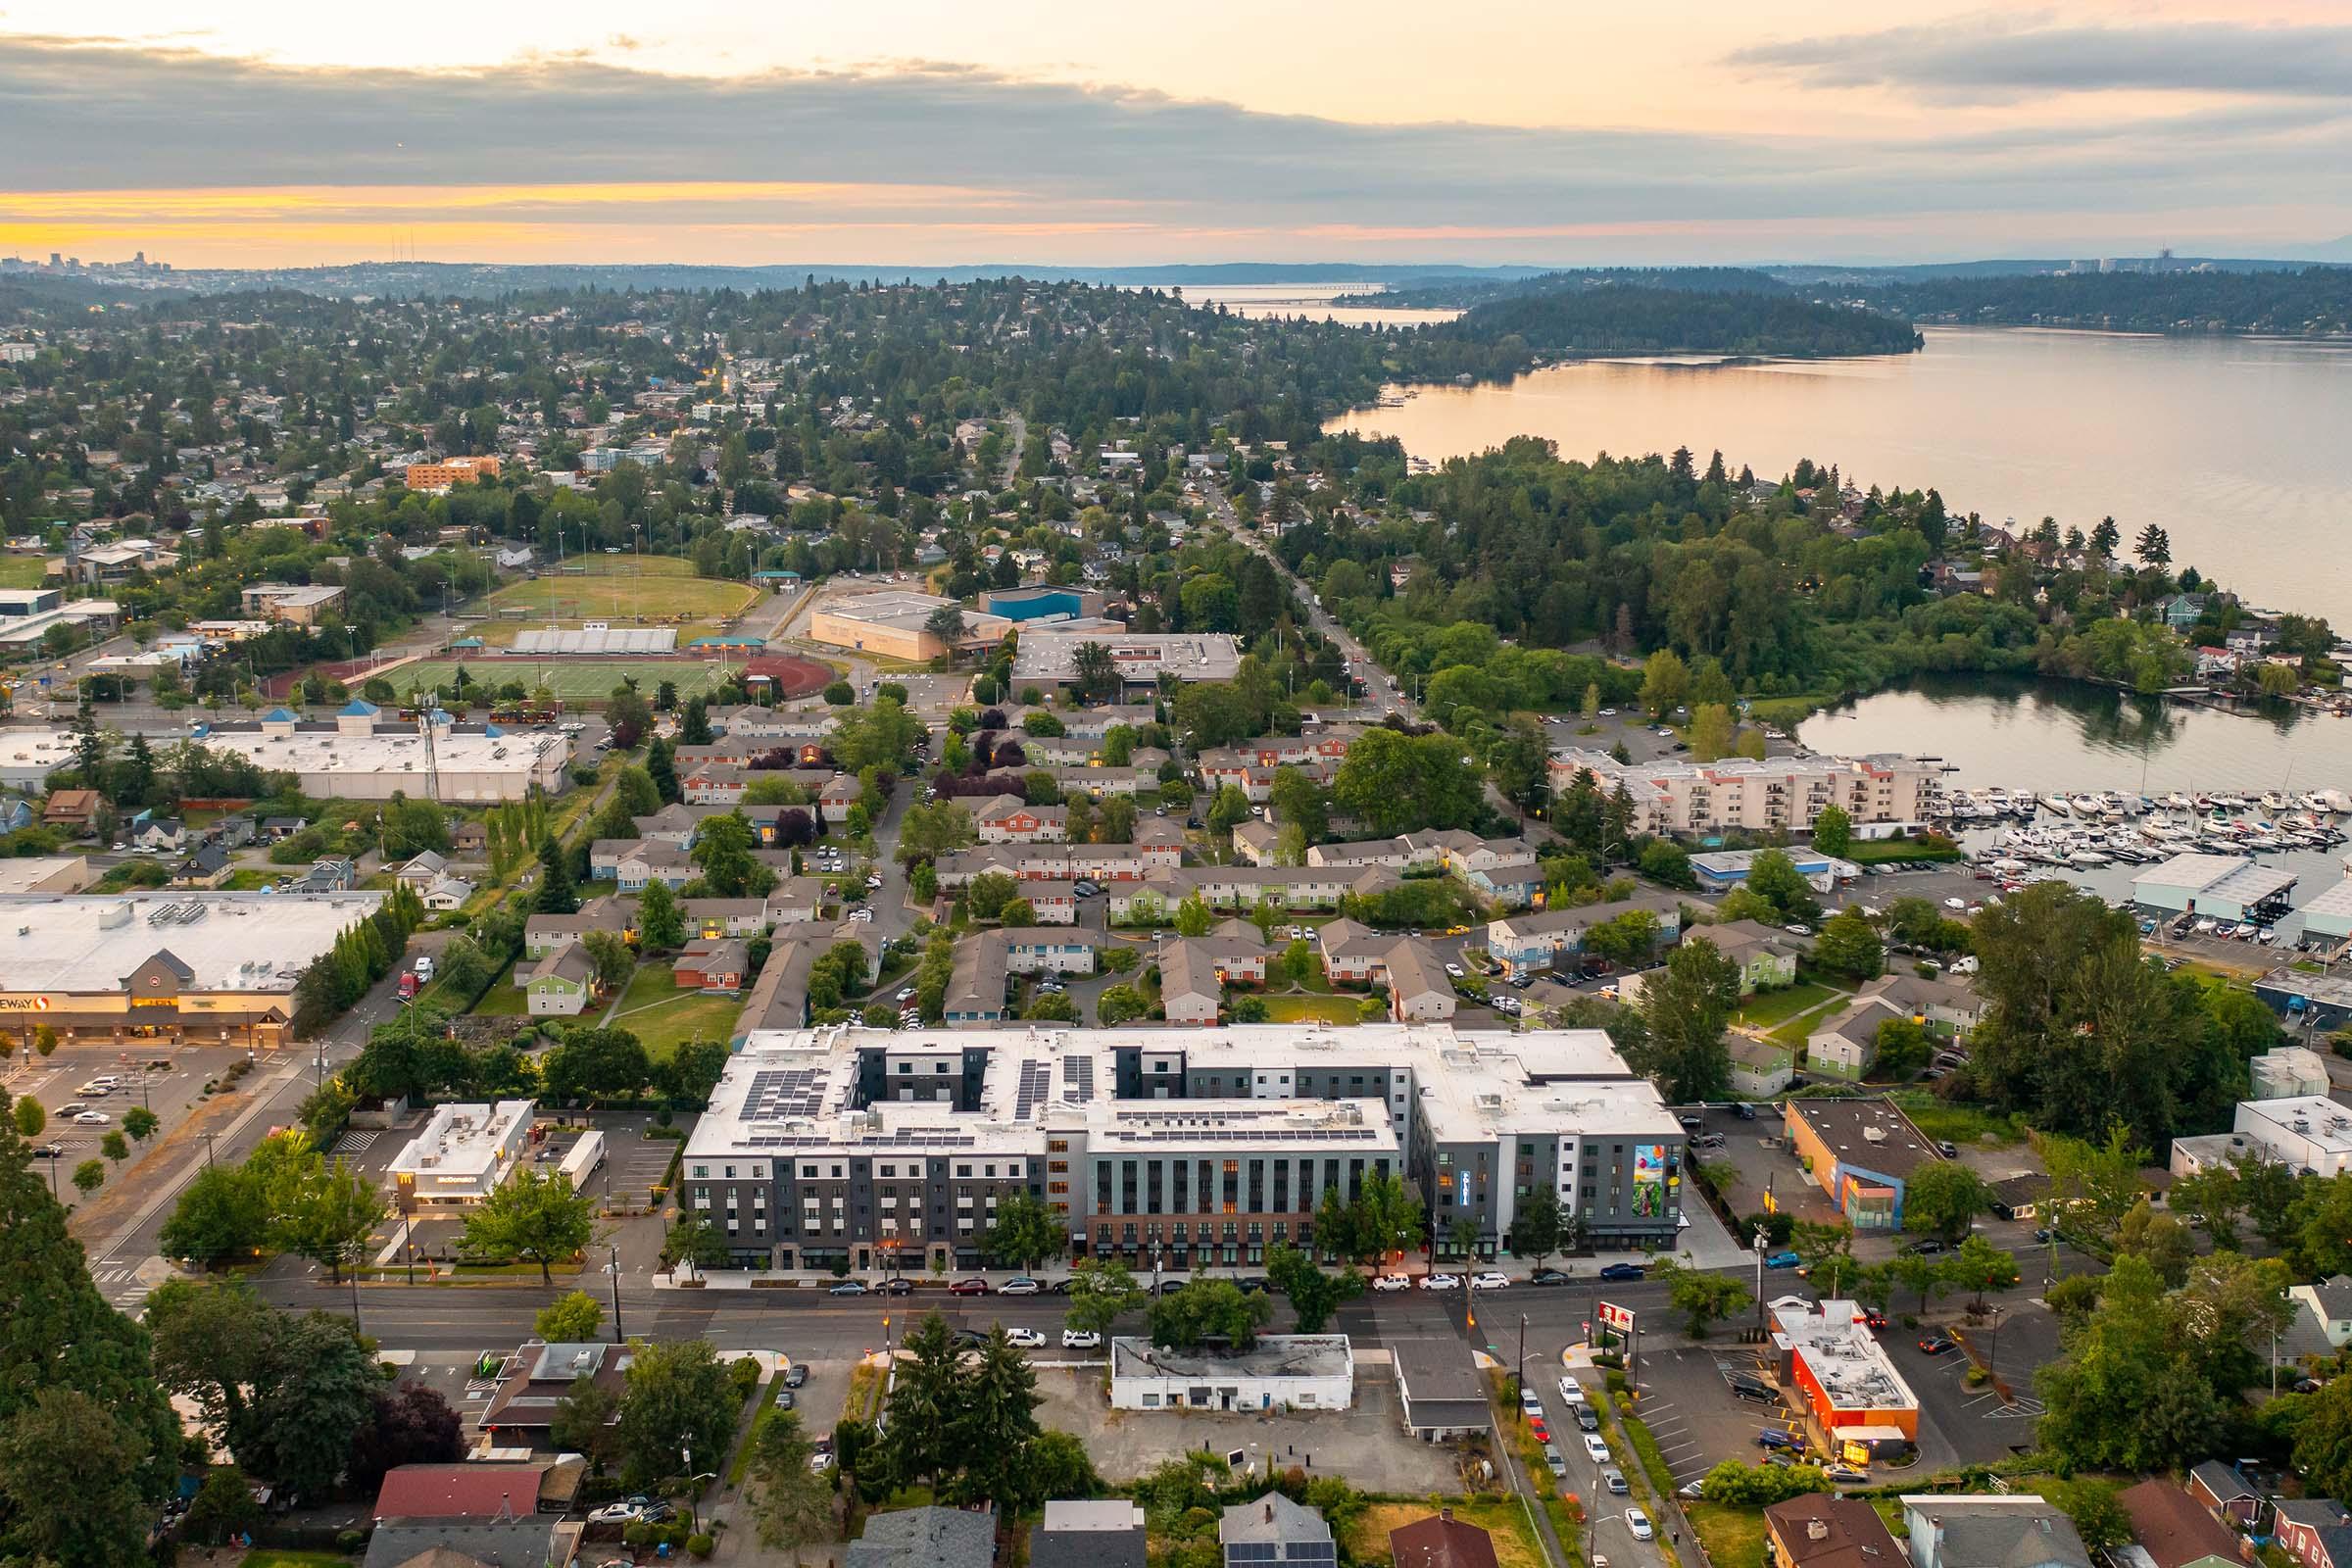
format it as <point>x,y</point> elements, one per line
<point>625,590</point>
<point>572,679</point>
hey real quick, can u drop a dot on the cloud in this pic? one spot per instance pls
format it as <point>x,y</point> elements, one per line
<point>1995,62</point>
<point>926,160</point>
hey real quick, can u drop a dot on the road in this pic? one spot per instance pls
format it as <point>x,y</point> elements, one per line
<point>1017,440</point>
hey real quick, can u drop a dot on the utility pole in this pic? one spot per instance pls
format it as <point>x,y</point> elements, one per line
<point>614,1252</point>
<point>1759,1250</point>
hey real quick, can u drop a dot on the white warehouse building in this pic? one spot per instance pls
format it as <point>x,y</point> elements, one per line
<point>1280,1372</point>
<point>2305,1132</point>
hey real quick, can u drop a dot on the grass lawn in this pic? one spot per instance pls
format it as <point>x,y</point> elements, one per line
<point>572,678</point>
<point>622,589</point>
<point>1770,1008</point>
<point>22,572</point>
<point>1733,1536</point>
<point>1301,1009</point>
<point>265,1557</point>
<point>663,1017</point>
<point>1502,1518</point>
<point>1947,1122</point>
<point>505,998</point>
<point>252,879</point>
<point>1793,1033</point>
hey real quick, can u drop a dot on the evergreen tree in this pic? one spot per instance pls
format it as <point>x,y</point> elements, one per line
<point>661,925</point>
<point>89,1445</point>
<point>555,894</point>
<point>661,767</point>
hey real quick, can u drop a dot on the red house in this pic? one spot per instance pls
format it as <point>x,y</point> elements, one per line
<point>711,966</point>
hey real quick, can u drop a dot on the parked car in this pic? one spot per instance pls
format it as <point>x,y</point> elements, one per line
<point>1528,1403</point>
<point>1019,1284</point>
<point>1781,1260</point>
<point>1570,1389</point>
<point>899,1287</point>
<point>93,1118</point>
<point>1938,1343</point>
<point>1441,1282</point>
<point>1552,1461</point>
<point>1639,1523</point>
<point>1585,1417</point>
<point>1926,1246</point>
<point>1390,1282</point>
<point>1547,1276</point>
<point>1596,1450</point>
<point>1081,1339</point>
<point>1775,1438</point>
<point>1622,1271</point>
<point>1846,1472</point>
<point>1614,1481</point>
<point>617,1513</point>
<point>1490,1280</point>
<point>970,1287</point>
<point>1748,1387</point>
<point>848,1287</point>
<point>1026,1339</point>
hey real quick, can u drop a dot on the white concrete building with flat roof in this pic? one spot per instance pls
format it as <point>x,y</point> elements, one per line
<point>1782,792</point>
<point>1048,656</point>
<point>2226,886</point>
<point>212,969</point>
<point>1280,1372</point>
<point>463,1154</point>
<point>2305,1133</point>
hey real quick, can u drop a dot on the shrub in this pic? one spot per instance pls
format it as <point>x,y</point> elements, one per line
<point>839,694</point>
<point>745,1375</point>
<point>699,1545</point>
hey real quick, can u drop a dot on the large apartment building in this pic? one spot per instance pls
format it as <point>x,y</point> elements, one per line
<point>1783,792</point>
<point>1165,1147</point>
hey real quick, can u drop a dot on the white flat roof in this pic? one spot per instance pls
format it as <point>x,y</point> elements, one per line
<point>462,1141</point>
<point>1844,1357</point>
<point>324,750</point>
<point>2324,1122</point>
<point>244,941</point>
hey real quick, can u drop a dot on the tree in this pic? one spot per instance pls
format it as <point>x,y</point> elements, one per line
<point>1193,916</point>
<point>316,1384</point>
<point>1665,682</point>
<point>535,1216</point>
<point>1833,830</point>
<point>946,626</point>
<point>918,1442</point>
<point>70,1472</point>
<point>2093,1186</point>
<point>555,894</point>
<point>2163,1242</point>
<point>1026,1233</point>
<point>30,1117</point>
<point>722,847</point>
<point>1624,940</point>
<point>1903,1047</point>
<point>1536,1224</point>
<point>585,1422</point>
<point>572,1319</point>
<point>791,1504</point>
<point>1118,1004</point>
<point>2214,1197</point>
<point>1773,877</point>
<point>927,832</point>
<point>660,766</point>
<point>1848,945</point>
<point>2154,548</point>
<point>1313,1294</point>
<point>1826,1252</point>
<point>1101,1292</point>
<point>1712,732</point>
<point>1208,1309</point>
<point>219,1216</point>
<point>1942,1197</point>
<point>996,1421</point>
<point>224,1506</point>
<point>1701,1297</point>
<point>1519,761</point>
<point>661,923</point>
<point>412,1426</point>
<point>324,1212</point>
<point>1228,808</point>
<point>987,894</point>
<point>678,1401</point>
<point>1399,783</point>
<point>2128,1394</point>
<point>1684,1008</point>
<point>2322,1452</point>
<point>610,957</point>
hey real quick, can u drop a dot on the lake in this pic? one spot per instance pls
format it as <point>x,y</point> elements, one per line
<point>2235,446</point>
<point>2065,735</point>
<point>1313,300</point>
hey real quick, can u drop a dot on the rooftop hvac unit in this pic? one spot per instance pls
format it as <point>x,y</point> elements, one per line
<point>1874,1135</point>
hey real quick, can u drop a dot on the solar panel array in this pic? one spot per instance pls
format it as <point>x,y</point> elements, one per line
<point>1037,1085</point>
<point>1077,1079</point>
<point>777,1093</point>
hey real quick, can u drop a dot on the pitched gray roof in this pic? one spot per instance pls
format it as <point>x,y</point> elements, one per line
<point>925,1537</point>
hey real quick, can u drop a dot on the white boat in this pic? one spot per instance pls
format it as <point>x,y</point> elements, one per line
<point>2088,806</point>
<point>2177,801</point>
<point>2273,801</point>
<point>2089,857</point>
<point>2058,803</point>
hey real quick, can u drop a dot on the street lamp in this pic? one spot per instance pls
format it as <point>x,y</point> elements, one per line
<point>1759,1250</point>
<point>613,1267</point>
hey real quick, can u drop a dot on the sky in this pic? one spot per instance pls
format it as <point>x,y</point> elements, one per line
<point>259,132</point>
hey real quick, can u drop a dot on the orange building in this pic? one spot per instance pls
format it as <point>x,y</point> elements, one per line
<point>448,471</point>
<point>1829,1357</point>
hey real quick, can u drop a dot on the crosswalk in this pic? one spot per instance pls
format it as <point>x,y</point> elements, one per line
<point>358,1141</point>
<point>124,1285</point>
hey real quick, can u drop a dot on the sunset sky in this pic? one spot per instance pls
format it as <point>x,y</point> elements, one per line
<point>1046,132</point>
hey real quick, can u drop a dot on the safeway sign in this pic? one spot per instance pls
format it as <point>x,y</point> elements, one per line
<point>1620,1318</point>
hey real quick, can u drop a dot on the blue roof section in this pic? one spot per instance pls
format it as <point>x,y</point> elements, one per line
<point>358,707</point>
<point>492,729</point>
<point>466,641</point>
<point>278,715</point>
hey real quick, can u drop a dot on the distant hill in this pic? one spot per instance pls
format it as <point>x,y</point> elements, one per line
<point>2310,301</point>
<point>1648,320</point>
<point>1456,293</point>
